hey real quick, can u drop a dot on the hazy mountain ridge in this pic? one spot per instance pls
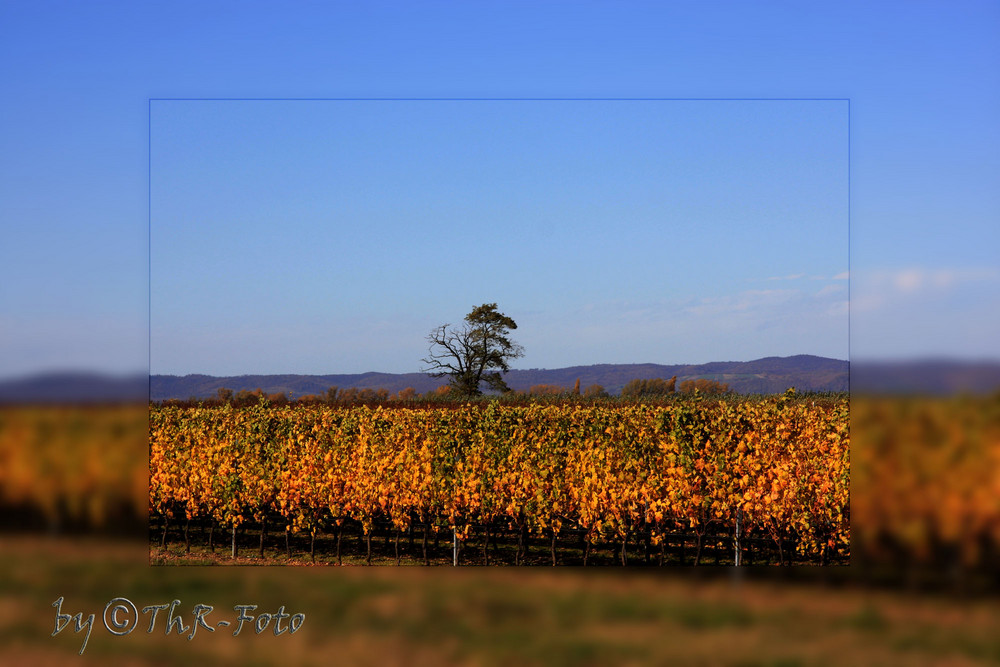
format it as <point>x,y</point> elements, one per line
<point>926,376</point>
<point>75,387</point>
<point>768,375</point>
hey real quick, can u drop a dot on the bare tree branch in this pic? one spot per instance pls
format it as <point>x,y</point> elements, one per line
<point>477,352</point>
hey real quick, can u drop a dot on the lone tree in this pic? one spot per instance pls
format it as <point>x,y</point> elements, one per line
<point>477,352</point>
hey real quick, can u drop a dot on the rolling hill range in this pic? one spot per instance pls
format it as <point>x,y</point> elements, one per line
<point>768,375</point>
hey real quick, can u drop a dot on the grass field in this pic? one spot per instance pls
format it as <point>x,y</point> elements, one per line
<point>473,616</point>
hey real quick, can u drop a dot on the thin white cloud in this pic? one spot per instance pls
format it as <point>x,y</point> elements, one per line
<point>920,310</point>
<point>840,276</point>
<point>923,280</point>
<point>800,276</point>
<point>830,289</point>
<point>762,303</point>
<point>838,308</point>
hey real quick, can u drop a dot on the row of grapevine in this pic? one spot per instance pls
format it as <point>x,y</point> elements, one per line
<point>927,480</point>
<point>778,465</point>
<point>73,467</point>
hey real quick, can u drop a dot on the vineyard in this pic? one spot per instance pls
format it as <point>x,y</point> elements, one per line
<point>924,489</point>
<point>765,478</point>
<point>73,468</point>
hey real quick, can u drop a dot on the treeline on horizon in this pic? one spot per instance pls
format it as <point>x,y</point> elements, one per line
<point>636,390</point>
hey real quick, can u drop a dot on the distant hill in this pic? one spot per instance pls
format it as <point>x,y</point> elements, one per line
<point>75,387</point>
<point>162,387</point>
<point>762,376</point>
<point>925,376</point>
<point>769,375</point>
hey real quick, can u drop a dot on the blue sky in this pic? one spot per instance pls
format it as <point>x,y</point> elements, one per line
<point>273,243</point>
<point>331,236</point>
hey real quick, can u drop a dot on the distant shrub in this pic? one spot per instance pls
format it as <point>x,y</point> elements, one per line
<point>546,390</point>
<point>407,394</point>
<point>278,398</point>
<point>246,398</point>
<point>651,387</point>
<point>704,387</point>
<point>440,393</point>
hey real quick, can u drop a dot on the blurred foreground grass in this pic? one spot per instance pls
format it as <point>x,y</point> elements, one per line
<point>434,616</point>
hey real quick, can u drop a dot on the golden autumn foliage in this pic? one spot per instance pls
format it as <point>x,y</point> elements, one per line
<point>781,466</point>
<point>923,470</point>
<point>84,466</point>
<point>927,475</point>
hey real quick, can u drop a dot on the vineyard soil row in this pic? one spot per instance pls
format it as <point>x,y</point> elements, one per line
<point>201,543</point>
